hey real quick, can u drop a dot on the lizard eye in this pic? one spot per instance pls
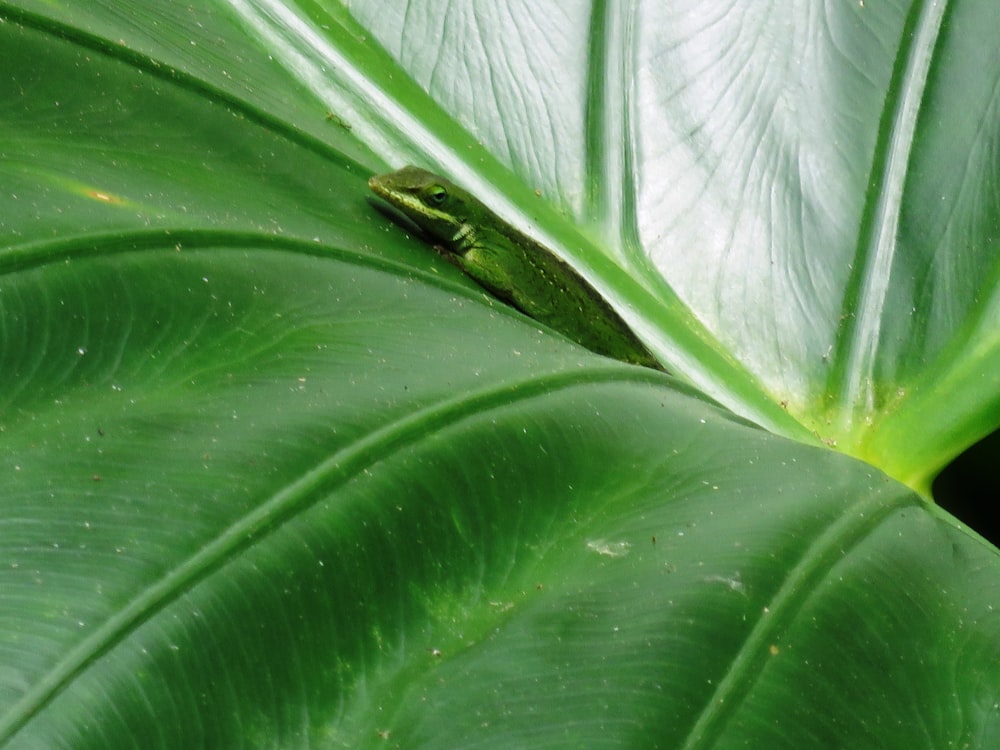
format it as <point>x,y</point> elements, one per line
<point>437,195</point>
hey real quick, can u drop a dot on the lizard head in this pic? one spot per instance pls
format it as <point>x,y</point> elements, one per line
<point>433,203</point>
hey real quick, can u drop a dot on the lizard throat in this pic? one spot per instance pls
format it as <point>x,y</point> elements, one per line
<point>464,238</point>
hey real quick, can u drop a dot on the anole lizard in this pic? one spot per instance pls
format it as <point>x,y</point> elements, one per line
<point>510,265</point>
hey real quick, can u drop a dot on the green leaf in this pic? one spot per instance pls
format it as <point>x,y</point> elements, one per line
<point>274,474</point>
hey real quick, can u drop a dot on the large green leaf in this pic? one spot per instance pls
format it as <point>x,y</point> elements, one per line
<point>273,474</point>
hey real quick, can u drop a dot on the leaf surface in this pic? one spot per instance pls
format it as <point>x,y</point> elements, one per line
<point>274,474</point>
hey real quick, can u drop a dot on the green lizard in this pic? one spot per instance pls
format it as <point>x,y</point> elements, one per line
<point>510,265</point>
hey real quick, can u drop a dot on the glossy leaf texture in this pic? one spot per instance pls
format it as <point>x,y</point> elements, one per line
<point>812,189</point>
<point>273,474</point>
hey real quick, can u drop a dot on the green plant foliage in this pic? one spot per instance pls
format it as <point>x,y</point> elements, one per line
<point>274,474</point>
